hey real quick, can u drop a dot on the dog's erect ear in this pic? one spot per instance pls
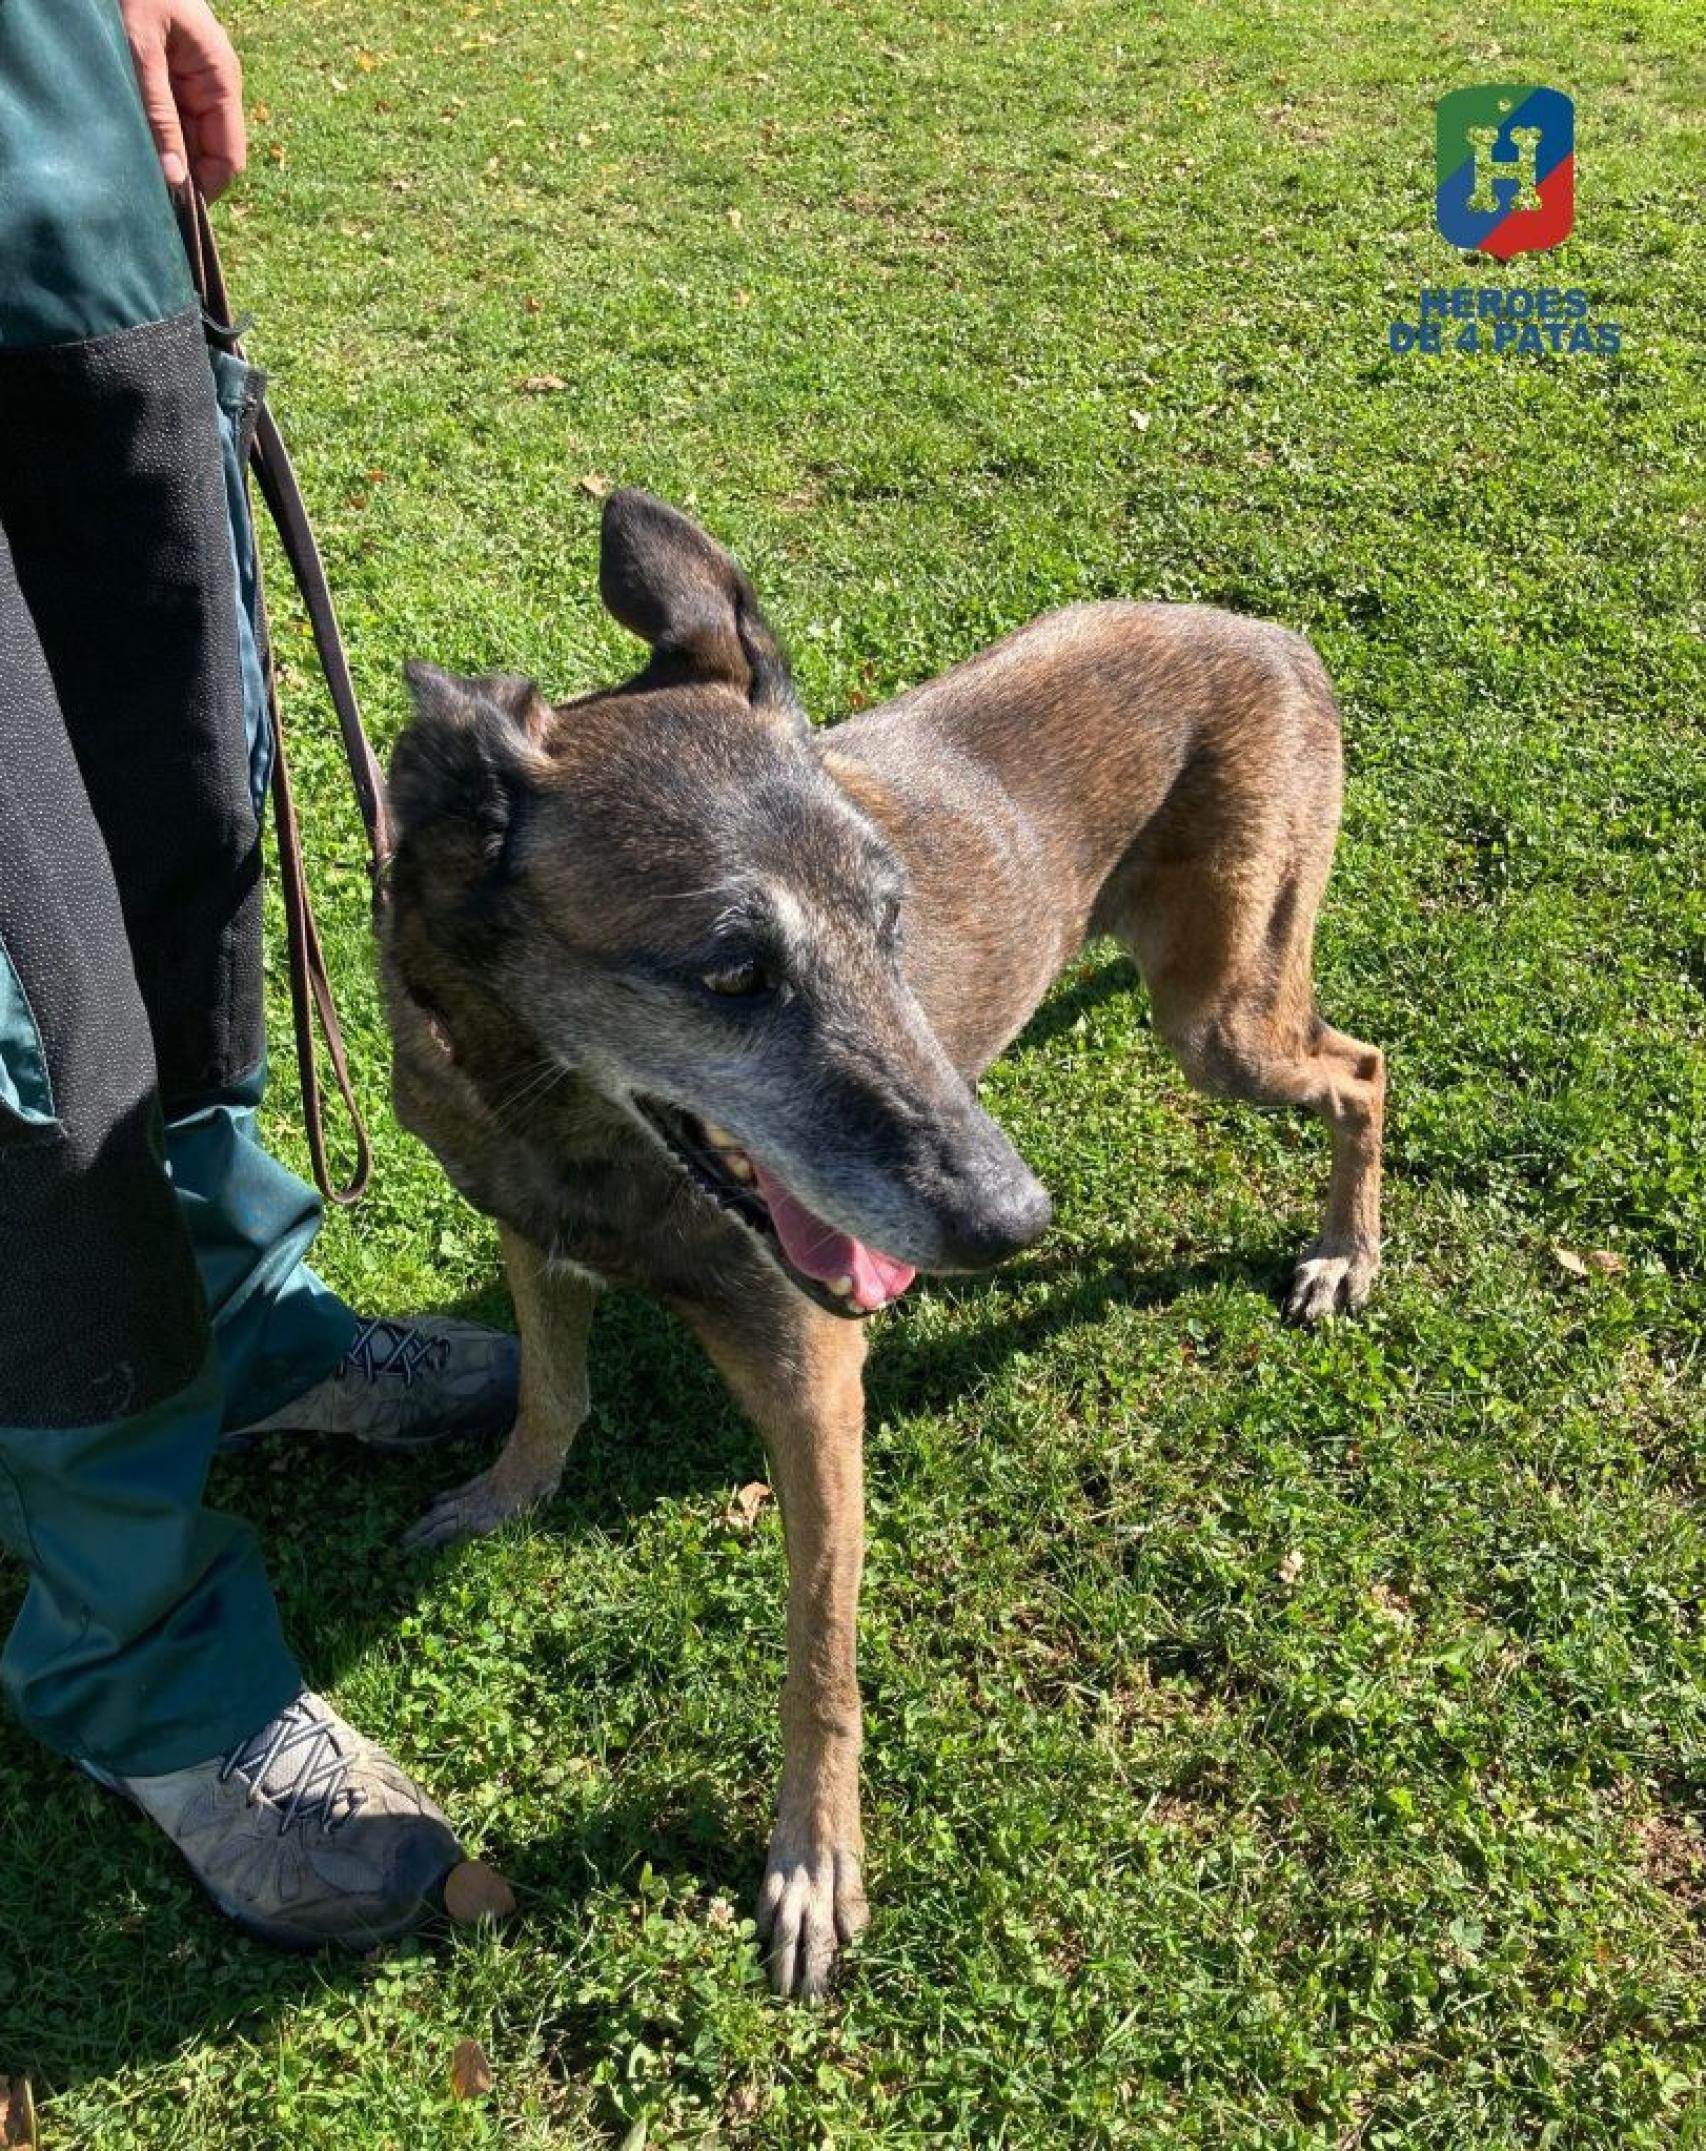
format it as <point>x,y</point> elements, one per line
<point>466,766</point>
<point>677,589</point>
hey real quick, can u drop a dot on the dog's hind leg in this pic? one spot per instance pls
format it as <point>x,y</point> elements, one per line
<point>801,1383</point>
<point>1228,960</point>
<point>1342,1080</point>
<point>553,1312</point>
<point>1345,1082</point>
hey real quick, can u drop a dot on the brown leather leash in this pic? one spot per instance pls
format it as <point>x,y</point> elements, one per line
<point>310,984</point>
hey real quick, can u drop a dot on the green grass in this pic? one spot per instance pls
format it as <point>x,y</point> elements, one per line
<point>942,317</point>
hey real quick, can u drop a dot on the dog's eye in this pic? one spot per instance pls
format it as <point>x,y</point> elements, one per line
<point>738,981</point>
<point>890,927</point>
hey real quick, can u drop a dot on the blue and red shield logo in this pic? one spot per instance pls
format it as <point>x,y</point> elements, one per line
<point>1506,167</point>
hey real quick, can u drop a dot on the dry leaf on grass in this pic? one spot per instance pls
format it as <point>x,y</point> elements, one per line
<point>1291,1567</point>
<point>17,2113</point>
<point>470,2071</point>
<point>542,384</point>
<point>742,1513</point>
<point>1598,1261</point>
<point>475,1891</point>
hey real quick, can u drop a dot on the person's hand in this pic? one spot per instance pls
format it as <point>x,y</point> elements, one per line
<point>192,90</point>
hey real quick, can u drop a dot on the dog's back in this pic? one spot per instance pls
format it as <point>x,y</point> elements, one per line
<point>1028,781</point>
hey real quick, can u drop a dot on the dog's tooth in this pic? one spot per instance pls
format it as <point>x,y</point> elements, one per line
<point>738,1163</point>
<point>719,1138</point>
<point>841,1286</point>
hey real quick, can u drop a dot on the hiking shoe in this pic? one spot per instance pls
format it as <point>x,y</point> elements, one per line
<point>304,1834</point>
<point>404,1384</point>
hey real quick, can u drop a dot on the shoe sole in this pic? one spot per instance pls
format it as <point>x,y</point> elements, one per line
<point>476,1430</point>
<point>246,1438</point>
<point>358,1944</point>
<point>426,1908</point>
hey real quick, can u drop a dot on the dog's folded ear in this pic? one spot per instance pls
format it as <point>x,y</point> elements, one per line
<point>464,769</point>
<point>677,589</point>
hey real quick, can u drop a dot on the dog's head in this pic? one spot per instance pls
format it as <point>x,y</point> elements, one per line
<point>660,887</point>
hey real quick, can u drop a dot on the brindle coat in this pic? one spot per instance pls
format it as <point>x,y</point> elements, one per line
<point>575,889</point>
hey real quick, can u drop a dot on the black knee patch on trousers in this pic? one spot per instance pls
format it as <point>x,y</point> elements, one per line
<point>112,500</point>
<point>129,855</point>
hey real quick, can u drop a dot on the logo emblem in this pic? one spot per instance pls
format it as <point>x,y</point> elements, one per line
<point>1506,168</point>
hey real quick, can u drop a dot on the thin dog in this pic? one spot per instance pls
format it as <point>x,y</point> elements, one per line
<point>690,997</point>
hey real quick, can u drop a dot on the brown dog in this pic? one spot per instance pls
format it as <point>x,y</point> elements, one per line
<point>691,998</point>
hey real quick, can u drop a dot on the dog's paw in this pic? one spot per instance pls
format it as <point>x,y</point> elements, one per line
<point>480,1506</point>
<point>812,1901</point>
<point>1332,1277</point>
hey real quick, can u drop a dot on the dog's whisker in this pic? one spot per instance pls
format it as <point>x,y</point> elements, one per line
<point>519,1094</point>
<point>527,1075</point>
<point>732,890</point>
<point>538,1087</point>
<point>507,1121</point>
<point>546,1085</point>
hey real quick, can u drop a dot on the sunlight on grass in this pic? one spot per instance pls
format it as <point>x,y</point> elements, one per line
<point>1275,1740</point>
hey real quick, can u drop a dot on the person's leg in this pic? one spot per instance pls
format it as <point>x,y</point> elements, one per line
<point>148,1637</point>
<point>148,1645</point>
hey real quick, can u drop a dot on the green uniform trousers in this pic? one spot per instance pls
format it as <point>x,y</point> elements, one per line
<point>153,1289</point>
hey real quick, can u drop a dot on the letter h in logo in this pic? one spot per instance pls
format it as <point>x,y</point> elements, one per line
<point>1489,170</point>
<point>1506,168</point>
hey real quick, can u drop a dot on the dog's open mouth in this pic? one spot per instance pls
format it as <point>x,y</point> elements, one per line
<point>830,1266</point>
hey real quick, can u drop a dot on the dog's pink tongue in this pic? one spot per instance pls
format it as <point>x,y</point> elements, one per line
<point>819,1250</point>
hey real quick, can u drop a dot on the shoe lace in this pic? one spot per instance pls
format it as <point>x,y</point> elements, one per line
<point>395,1351</point>
<point>297,1763</point>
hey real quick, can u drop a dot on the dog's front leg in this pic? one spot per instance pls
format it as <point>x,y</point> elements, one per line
<point>803,1387</point>
<point>553,1313</point>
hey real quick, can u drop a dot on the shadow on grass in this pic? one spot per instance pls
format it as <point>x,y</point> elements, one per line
<point>113,1960</point>
<point>1099,975</point>
<point>911,1374</point>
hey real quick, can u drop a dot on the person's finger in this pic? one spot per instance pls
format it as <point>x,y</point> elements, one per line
<point>154,80</point>
<point>207,82</point>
